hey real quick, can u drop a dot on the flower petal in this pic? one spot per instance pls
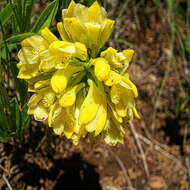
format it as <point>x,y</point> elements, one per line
<point>69,97</point>
<point>48,35</point>
<point>101,69</point>
<point>90,105</point>
<point>60,78</point>
<point>113,78</point>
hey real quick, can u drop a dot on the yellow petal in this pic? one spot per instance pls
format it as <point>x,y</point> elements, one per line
<point>79,101</point>
<point>113,57</point>
<point>69,12</point>
<point>31,88</point>
<point>58,125</point>
<point>60,129</point>
<point>59,81</point>
<point>26,56</point>
<point>112,109</point>
<point>134,88</point>
<point>69,96</point>
<point>101,121</point>
<point>128,53</point>
<point>93,40</point>
<point>73,29</point>
<point>59,48</point>
<point>60,78</point>
<point>81,51</point>
<point>106,31</point>
<point>34,100</point>
<point>115,94</point>
<point>28,71</point>
<point>101,69</point>
<point>121,109</point>
<point>113,78</point>
<point>48,35</point>
<point>36,41</point>
<point>114,134</point>
<point>46,66</point>
<point>80,13</point>
<point>136,113</point>
<point>40,113</point>
<point>90,105</point>
<point>95,13</point>
<point>68,131</point>
<point>55,113</point>
<point>117,117</point>
<point>118,91</point>
<point>62,31</point>
<point>109,54</point>
<point>41,84</point>
<point>69,122</point>
<point>76,137</point>
<point>48,99</point>
<point>117,59</point>
<point>50,115</point>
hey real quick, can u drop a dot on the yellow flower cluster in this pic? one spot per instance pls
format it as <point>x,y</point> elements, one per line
<point>79,90</point>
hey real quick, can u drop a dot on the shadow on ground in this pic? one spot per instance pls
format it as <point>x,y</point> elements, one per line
<point>69,173</point>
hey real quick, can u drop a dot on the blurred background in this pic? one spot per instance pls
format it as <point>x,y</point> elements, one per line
<point>156,153</point>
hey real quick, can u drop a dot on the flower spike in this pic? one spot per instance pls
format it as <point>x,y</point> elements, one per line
<point>79,90</point>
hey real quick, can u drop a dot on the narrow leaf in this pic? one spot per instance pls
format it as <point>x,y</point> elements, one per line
<point>16,39</point>
<point>15,114</point>
<point>5,14</point>
<point>46,17</point>
<point>28,4</point>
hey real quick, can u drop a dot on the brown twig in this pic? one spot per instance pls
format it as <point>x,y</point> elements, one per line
<point>2,168</point>
<point>135,134</point>
<point>162,86</point>
<point>161,150</point>
<point>125,173</point>
<point>187,162</point>
<point>7,182</point>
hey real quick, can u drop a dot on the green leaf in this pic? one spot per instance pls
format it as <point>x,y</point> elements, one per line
<point>25,120</point>
<point>4,139</point>
<point>16,6</point>
<point>16,39</point>
<point>15,113</point>
<point>5,123</point>
<point>20,84</point>
<point>28,5</point>
<point>46,17</point>
<point>158,3</point>
<point>5,14</point>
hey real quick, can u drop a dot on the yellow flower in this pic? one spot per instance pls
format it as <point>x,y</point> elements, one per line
<point>93,112</point>
<point>61,77</point>
<point>101,68</point>
<point>59,53</point>
<point>123,100</point>
<point>63,122</point>
<point>113,78</point>
<point>63,49</point>
<point>76,92</point>
<point>114,132</point>
<point>29,56</point>
<point>91,23</point>
<point>48,35</point>
<point>69,97</point>
<point>39,104</point>
<point>90,105</point>
<point>118,59</point>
